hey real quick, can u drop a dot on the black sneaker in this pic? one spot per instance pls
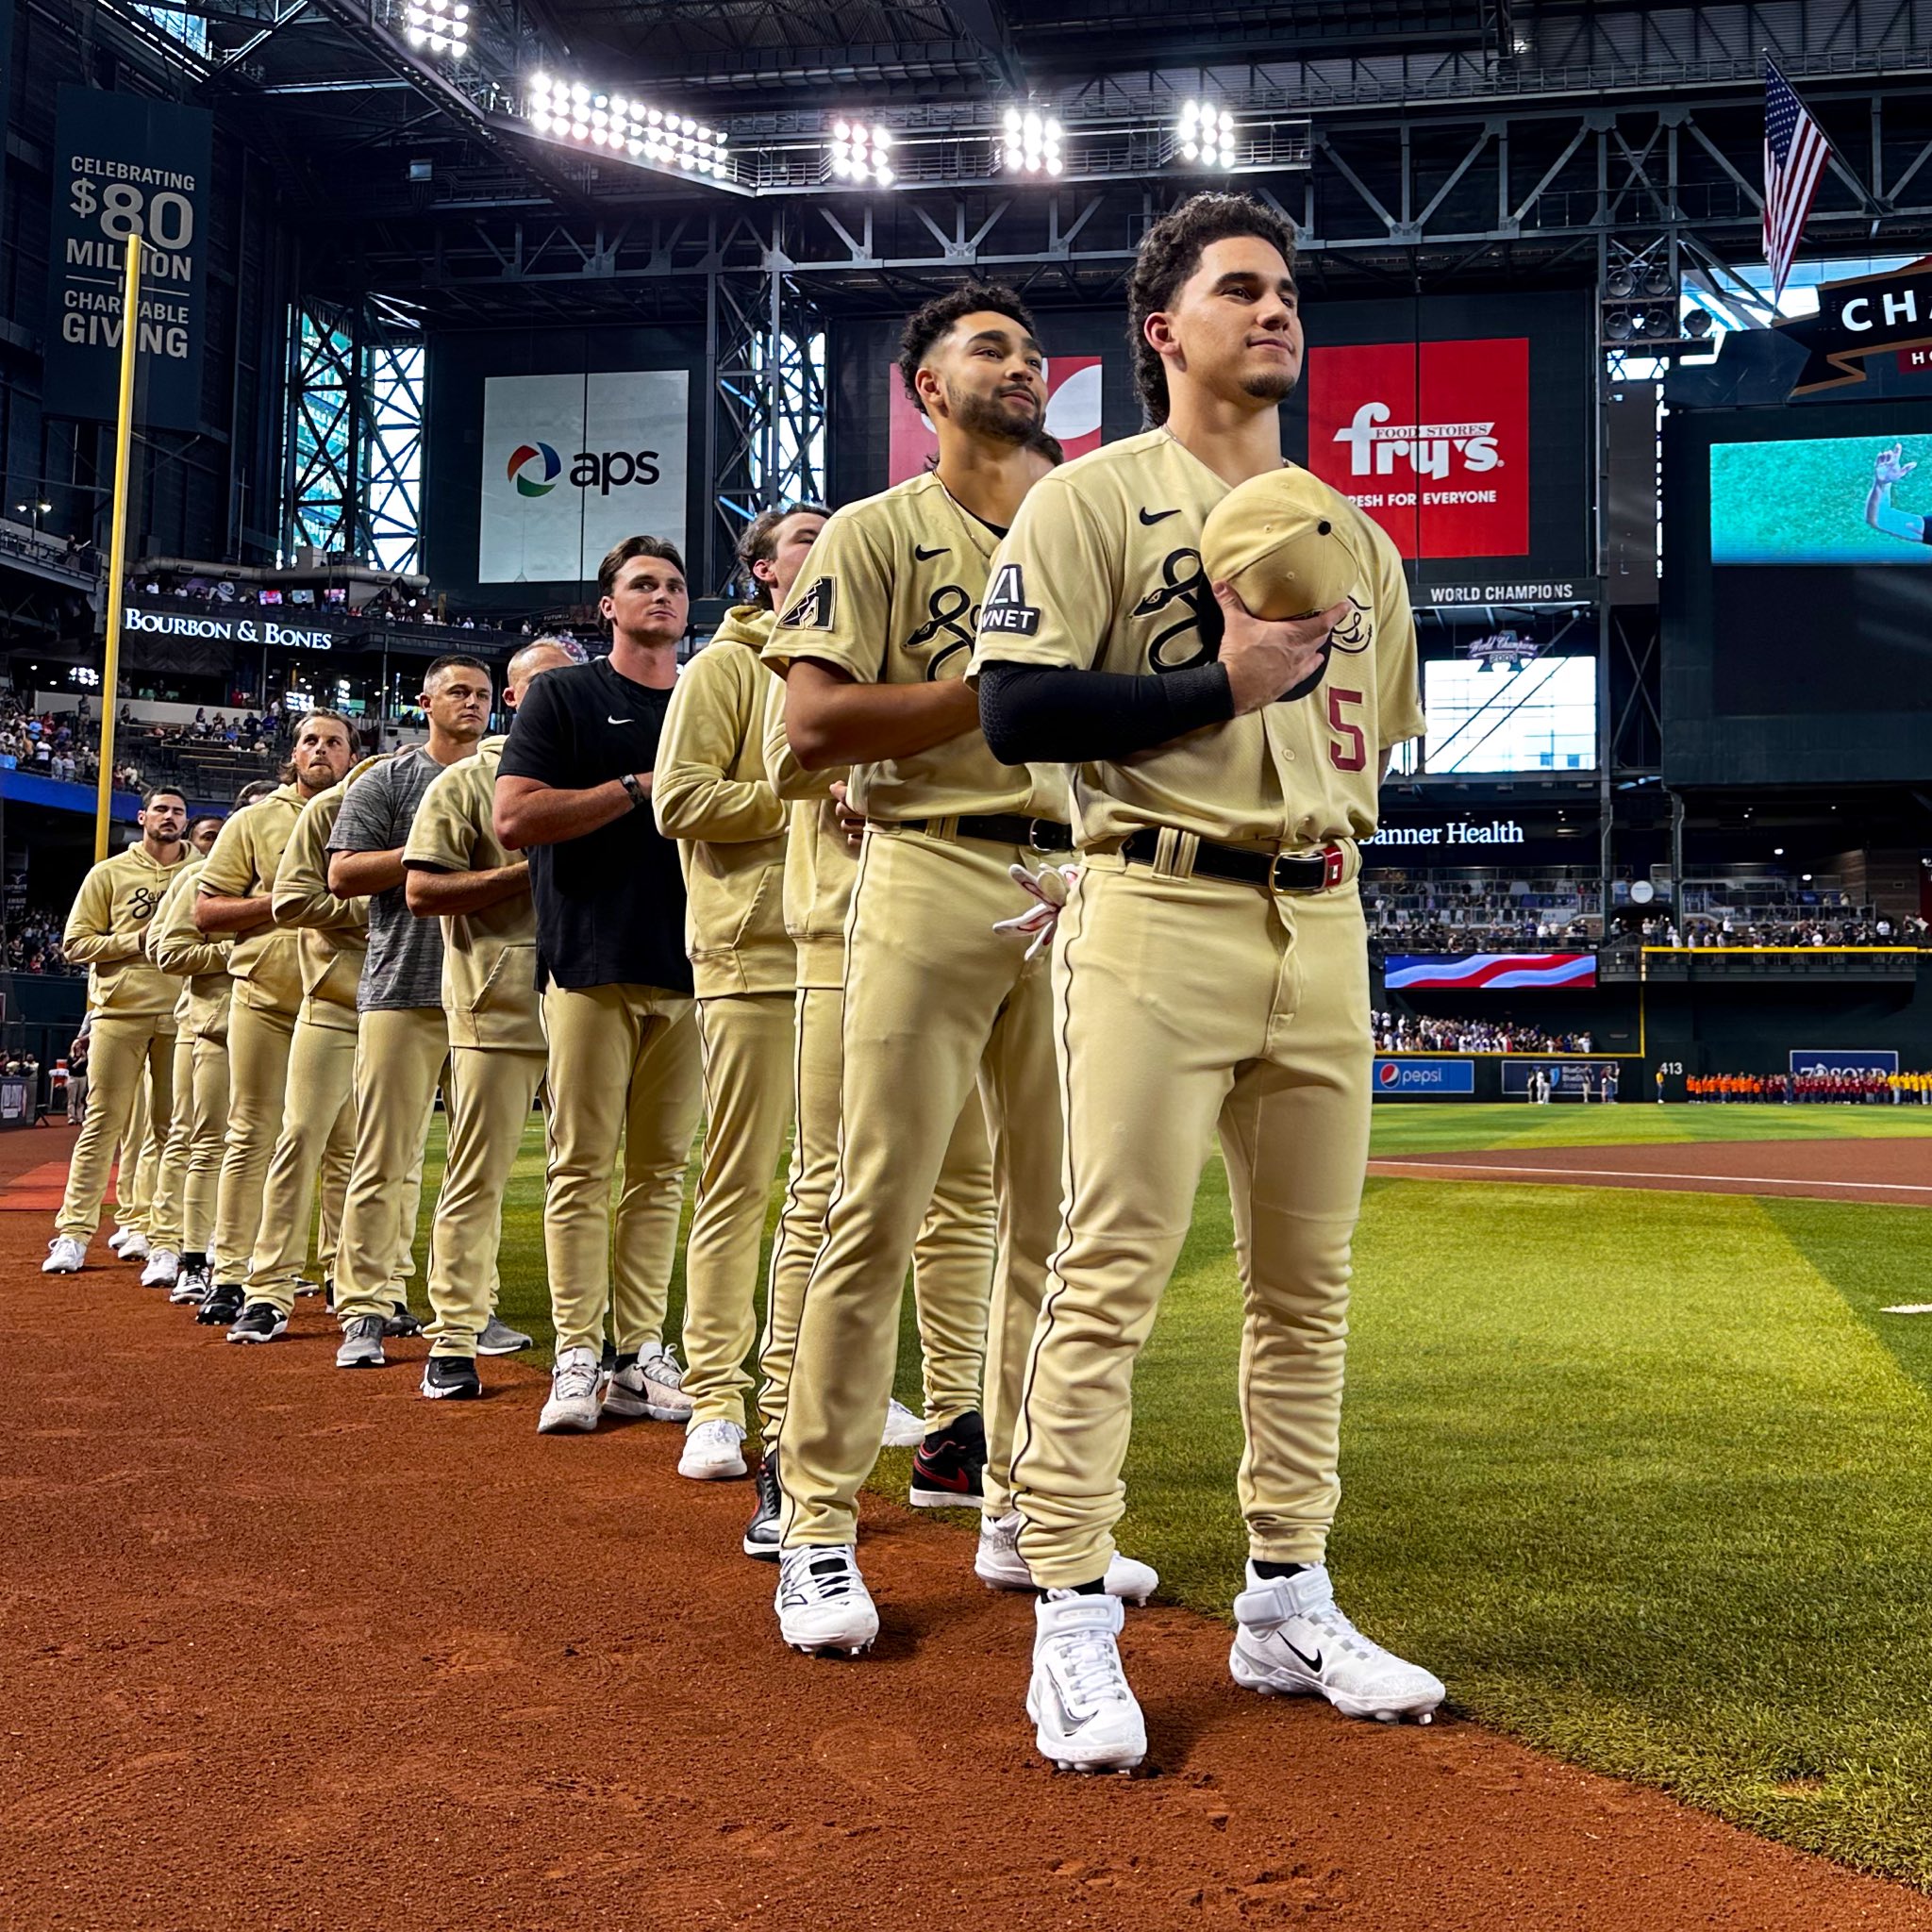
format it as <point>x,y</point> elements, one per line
<point>451,1378</point>
<point>259,1322</point>
<point>946,1467</point>
<point>761,1532</point>
<point>192,1285</point>
<point>402,1323</point>
<point>328,1293</point>
<point>221,1307</point>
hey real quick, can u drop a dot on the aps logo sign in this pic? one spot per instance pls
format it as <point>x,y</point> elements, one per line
<point>525,454</point>
<point>535,467</point>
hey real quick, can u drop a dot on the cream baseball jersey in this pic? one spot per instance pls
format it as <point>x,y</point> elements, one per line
<point>1102,572</point>
<point>890,594</point>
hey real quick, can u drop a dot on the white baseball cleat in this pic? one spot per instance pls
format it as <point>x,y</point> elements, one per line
<point>573,1402</point>
<point>652,1385</point>
<point>119,1238</point>
<point>1291,1640</point>
<point>65,1256</point>
<point>133,1247</point>
<point>712,1452</point>
<point>824,1606</point>
<point>999,1565</point>
<point>162,1268</point>
<point>1085,1717</point>
<point>903,1430</point>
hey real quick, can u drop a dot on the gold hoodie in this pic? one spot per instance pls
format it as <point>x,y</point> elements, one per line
<point>818,865</point>
<point>331,934</point>
<point>197,961</point>
<point>710,793</point>
<point>242,865</point>
<point>105,929</point>
<point>489,958</point>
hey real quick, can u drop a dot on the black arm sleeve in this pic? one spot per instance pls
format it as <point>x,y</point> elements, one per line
<point>1033,715</point>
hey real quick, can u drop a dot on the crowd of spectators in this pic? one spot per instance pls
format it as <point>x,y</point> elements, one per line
<point>30,943</point>
<point>1837,928</point>
<point>1846,1086</point>
<point>393,604</point>
<point>1414,1033</point>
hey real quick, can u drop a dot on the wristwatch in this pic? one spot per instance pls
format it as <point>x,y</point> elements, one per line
<point>637,794</point>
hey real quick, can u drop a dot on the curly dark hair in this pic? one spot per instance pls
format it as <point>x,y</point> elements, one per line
<point>1171,251</point>
<point>926,325</point>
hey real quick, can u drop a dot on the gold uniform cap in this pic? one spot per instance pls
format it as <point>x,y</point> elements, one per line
<point>1278,541</point>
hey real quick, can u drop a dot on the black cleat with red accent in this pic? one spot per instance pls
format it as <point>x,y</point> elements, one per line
<point>947,1466</point>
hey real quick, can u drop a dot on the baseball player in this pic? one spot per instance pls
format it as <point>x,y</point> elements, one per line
<point>710,793</point>
<point>873,646</point>
<point>402,1041</point>
<point>1211,967</point>
<point>235,896</point>
<point>317,1138</point>
<point>953,1256</point>
<point>201,1011</point>
<point>133,1040</point>
<point>573,790</point>
<point>457,870</point>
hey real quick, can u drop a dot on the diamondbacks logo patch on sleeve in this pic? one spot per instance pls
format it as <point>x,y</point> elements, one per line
<point>1006,608</point>
<point>811,610</point>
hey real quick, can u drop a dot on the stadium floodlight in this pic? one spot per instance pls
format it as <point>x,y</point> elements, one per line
<point>1699,324</point>
<point>1619,284</point>
<point>861,152</point>
<point>620,125</point>
<point>1618,327</point>
<point>1030,142</point>
<point>1205,135</point>
<point>441,25</point>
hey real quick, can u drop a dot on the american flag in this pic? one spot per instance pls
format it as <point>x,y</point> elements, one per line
<point>1795,152</point>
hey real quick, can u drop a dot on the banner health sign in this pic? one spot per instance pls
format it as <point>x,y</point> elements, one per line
<point>573,464</point>
<point>1424,1076</point>
<point>126,166</point>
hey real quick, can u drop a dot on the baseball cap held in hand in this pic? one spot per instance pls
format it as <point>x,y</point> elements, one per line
<point>1286,544</point>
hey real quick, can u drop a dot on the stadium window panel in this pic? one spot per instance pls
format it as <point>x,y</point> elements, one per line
<point>188,28</point>
<point>1540,717</point>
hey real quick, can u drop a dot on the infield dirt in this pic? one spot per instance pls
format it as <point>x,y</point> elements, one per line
<point>284,1647</point>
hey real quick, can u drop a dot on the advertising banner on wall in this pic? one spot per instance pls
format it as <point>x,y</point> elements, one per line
<point>1424,1076</point>
<point>1072,415</point>
<point>1569,1079</point>
<point>572,464</point>
<point>1838,1060</point>
<point>1489,972</point>
<point>125,166</point>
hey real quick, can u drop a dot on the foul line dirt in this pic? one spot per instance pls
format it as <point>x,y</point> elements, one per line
<point>1897,1171</point>
<point>285,1647</point>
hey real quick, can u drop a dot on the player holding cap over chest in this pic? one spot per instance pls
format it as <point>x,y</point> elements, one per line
<point>1211,966</point>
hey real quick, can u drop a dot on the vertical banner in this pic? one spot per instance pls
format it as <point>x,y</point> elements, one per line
<point>128,166</point>
<point>573,464</point>
<point>1072,415</point>
<point>1430,439</point>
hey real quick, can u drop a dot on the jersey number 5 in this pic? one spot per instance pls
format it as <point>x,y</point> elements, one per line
<point>1352,753</point>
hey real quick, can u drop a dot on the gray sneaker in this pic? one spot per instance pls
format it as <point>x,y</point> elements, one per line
<point>650,1386</point>
<point>499,1338</point>
<point>362,1344</point>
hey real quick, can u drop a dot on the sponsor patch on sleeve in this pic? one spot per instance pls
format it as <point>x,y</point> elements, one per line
<point>811,610</point>
<point>1006,608</point>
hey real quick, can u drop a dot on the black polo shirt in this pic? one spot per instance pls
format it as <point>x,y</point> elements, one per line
<point>610,904</point>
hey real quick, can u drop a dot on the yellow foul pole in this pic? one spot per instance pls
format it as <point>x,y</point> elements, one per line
<point>120,510</point>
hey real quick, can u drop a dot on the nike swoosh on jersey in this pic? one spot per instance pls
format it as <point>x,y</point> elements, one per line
<point>923,556</point>
<point>1156,516</point>
<point>619,721</point>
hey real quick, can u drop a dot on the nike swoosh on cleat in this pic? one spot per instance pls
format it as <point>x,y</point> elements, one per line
<point>1158,516</point>
<point>1311,1664</point>
<point>932,1479</point>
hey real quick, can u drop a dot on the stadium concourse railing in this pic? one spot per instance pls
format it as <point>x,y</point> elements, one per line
<point>1678,965</point>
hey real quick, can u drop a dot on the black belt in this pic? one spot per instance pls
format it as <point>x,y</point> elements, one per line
<point>1281,872</point>
<point>1004,828</point>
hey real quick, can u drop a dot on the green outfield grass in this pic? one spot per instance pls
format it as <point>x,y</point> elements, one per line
<point>1642,1475</point>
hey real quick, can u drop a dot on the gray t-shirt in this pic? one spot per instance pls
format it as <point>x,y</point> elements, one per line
<point>405,963</point>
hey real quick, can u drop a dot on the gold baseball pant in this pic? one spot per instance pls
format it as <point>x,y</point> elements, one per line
<point>128,1203</point>
<point>625,1062</point>
<point>745,1041</point>
<point>1187,1005</point>
<point>933,998</point>
<point>147,1139</point>
<point>172,1169</point>
<point>259,1043</point>
<point>317,1138</point>
<point>207,1127</point>
<point>952,1258</point>
<point>400,1057</point>
<point>130,1052</point>
<point>491,1093</point>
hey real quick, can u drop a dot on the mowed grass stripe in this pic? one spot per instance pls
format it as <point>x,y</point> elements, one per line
<point>1432,1126</point>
